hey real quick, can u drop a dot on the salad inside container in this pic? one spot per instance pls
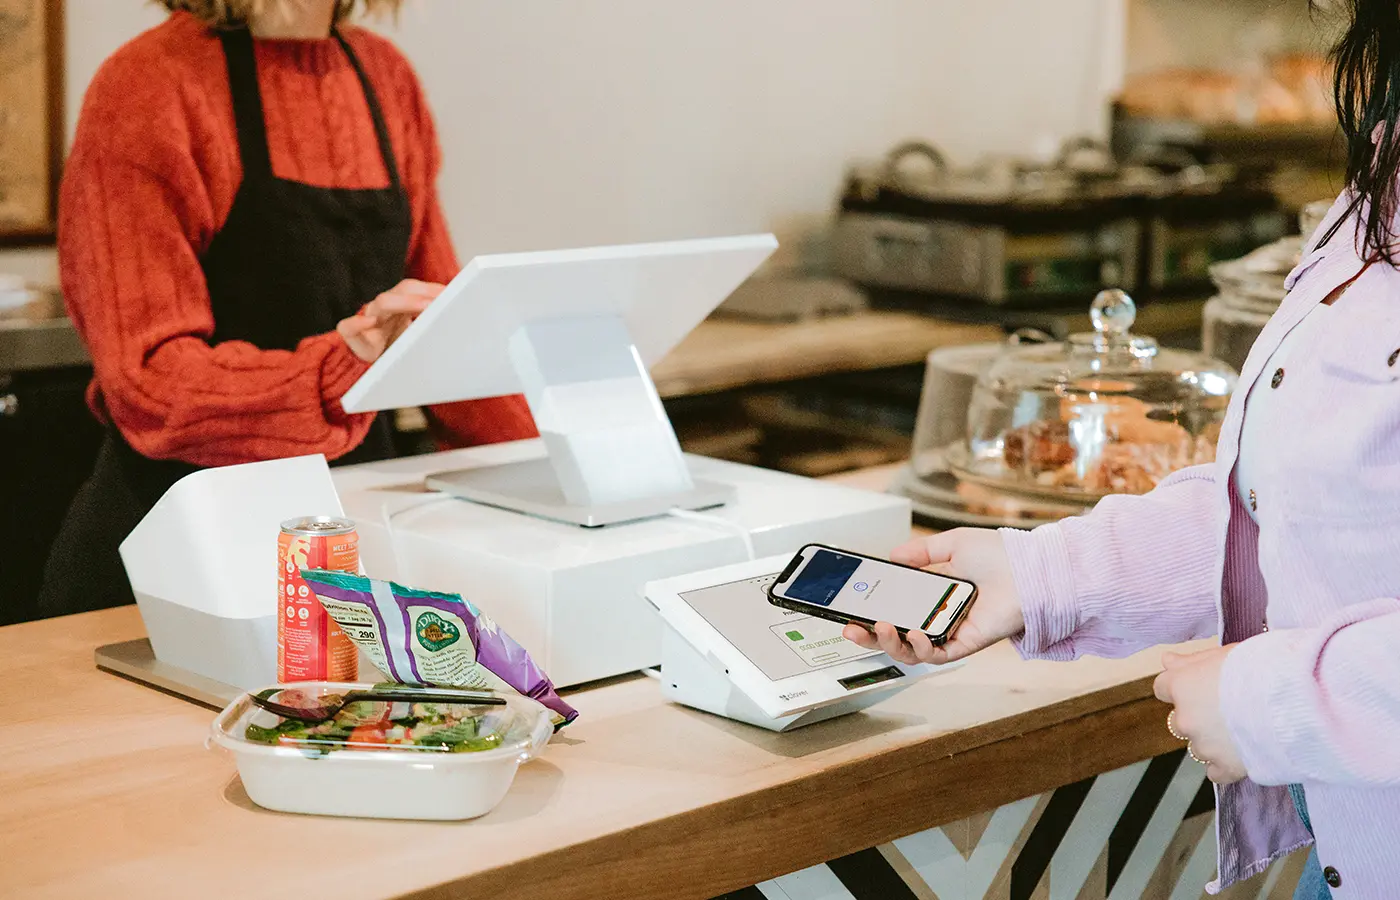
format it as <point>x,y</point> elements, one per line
<point>398,759</point>
<point>500,723</point>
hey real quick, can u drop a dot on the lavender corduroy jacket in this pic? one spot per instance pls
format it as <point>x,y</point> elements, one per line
<point>1311,693</point>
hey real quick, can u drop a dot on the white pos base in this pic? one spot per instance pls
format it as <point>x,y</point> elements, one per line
<point>573,596</point>
<point>688,678</point>
<point>531,488</point>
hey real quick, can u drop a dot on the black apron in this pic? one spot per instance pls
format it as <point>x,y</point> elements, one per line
<point>291,261</point>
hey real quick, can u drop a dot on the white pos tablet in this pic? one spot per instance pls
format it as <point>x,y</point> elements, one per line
<point>728,651</point>
<point>575,331</point>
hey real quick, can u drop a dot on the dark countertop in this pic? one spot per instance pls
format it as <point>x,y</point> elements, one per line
<point>39,336</point>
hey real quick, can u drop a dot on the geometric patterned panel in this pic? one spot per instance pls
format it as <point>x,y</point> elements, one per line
<point>1143,831</point>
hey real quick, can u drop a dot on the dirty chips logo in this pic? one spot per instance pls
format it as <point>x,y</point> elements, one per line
<point>434,632</point>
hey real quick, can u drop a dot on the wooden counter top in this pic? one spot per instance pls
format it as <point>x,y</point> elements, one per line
<point>720,354</point>
<point>724,353</point>
<point>108,790</point>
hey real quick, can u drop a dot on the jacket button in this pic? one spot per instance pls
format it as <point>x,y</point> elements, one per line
<point>1332,877</point>
<point>1394,358</point>
<point>1278,378</point>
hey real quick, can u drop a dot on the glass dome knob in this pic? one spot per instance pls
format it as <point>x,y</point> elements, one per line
<point>1113,313</point>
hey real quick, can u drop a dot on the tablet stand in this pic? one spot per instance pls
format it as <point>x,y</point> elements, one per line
<point>612,453</point>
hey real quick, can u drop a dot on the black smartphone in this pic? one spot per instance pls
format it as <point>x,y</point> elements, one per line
<point>848,587</point>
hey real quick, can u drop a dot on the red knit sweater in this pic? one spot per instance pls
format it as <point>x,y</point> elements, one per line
<point>150,181</point>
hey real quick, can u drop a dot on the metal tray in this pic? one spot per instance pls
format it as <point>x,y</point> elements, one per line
<point>937,500</point>
<point>964,469</point>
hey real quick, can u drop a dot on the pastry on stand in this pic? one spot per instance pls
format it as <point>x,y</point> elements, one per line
<point>1052,427</point>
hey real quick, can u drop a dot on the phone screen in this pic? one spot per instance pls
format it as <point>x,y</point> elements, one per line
<point>875,590</point>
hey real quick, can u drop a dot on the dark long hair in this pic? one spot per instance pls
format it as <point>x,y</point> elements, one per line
<point>1367,92</point>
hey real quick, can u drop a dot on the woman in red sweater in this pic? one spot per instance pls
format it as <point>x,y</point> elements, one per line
<point>248,218</point>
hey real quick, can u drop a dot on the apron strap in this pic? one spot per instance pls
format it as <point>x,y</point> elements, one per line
<point>386,146</point>
<point>247,103</point>
<point>248,112</point>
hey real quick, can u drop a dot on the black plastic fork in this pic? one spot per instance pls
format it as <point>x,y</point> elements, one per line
<point>384,695</point>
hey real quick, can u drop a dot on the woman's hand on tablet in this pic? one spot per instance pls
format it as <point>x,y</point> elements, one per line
<point>374,328</point>
<point>972,554</point>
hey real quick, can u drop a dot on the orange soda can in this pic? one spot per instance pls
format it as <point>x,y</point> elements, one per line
<point>310,646</point>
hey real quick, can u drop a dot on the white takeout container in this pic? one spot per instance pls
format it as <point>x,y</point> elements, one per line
<point>377,782</point>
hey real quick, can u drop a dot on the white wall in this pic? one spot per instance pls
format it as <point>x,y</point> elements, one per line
<point>567,122</point>
<point>572,123</point>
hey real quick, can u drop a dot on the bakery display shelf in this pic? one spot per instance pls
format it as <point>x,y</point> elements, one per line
<point>772,410</point>
<point>822,463</point>
<point>1270,143</point>
<point>736,443</point>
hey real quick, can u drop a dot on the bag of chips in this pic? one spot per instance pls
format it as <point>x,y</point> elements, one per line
<point>427,638</point>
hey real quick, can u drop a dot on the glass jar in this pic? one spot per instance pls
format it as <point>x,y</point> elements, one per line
<point>1310,219</point>
<point>1251,289</point>
<point>1103,413</point>
<point>950,376</point>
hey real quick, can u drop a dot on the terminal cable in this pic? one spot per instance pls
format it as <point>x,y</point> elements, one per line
<point>718,522</point>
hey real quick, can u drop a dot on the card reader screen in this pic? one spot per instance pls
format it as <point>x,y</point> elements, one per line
<point>780,643</point>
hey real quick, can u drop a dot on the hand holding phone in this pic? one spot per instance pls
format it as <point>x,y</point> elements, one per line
<point>849,587</point>
<point>974,554</point>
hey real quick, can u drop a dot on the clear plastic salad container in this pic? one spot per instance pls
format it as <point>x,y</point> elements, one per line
<point>377,759</point>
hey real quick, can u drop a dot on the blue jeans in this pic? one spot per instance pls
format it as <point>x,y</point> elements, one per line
<point>1312,886</point>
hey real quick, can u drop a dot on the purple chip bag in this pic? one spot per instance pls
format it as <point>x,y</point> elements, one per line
<point>427,638</point>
